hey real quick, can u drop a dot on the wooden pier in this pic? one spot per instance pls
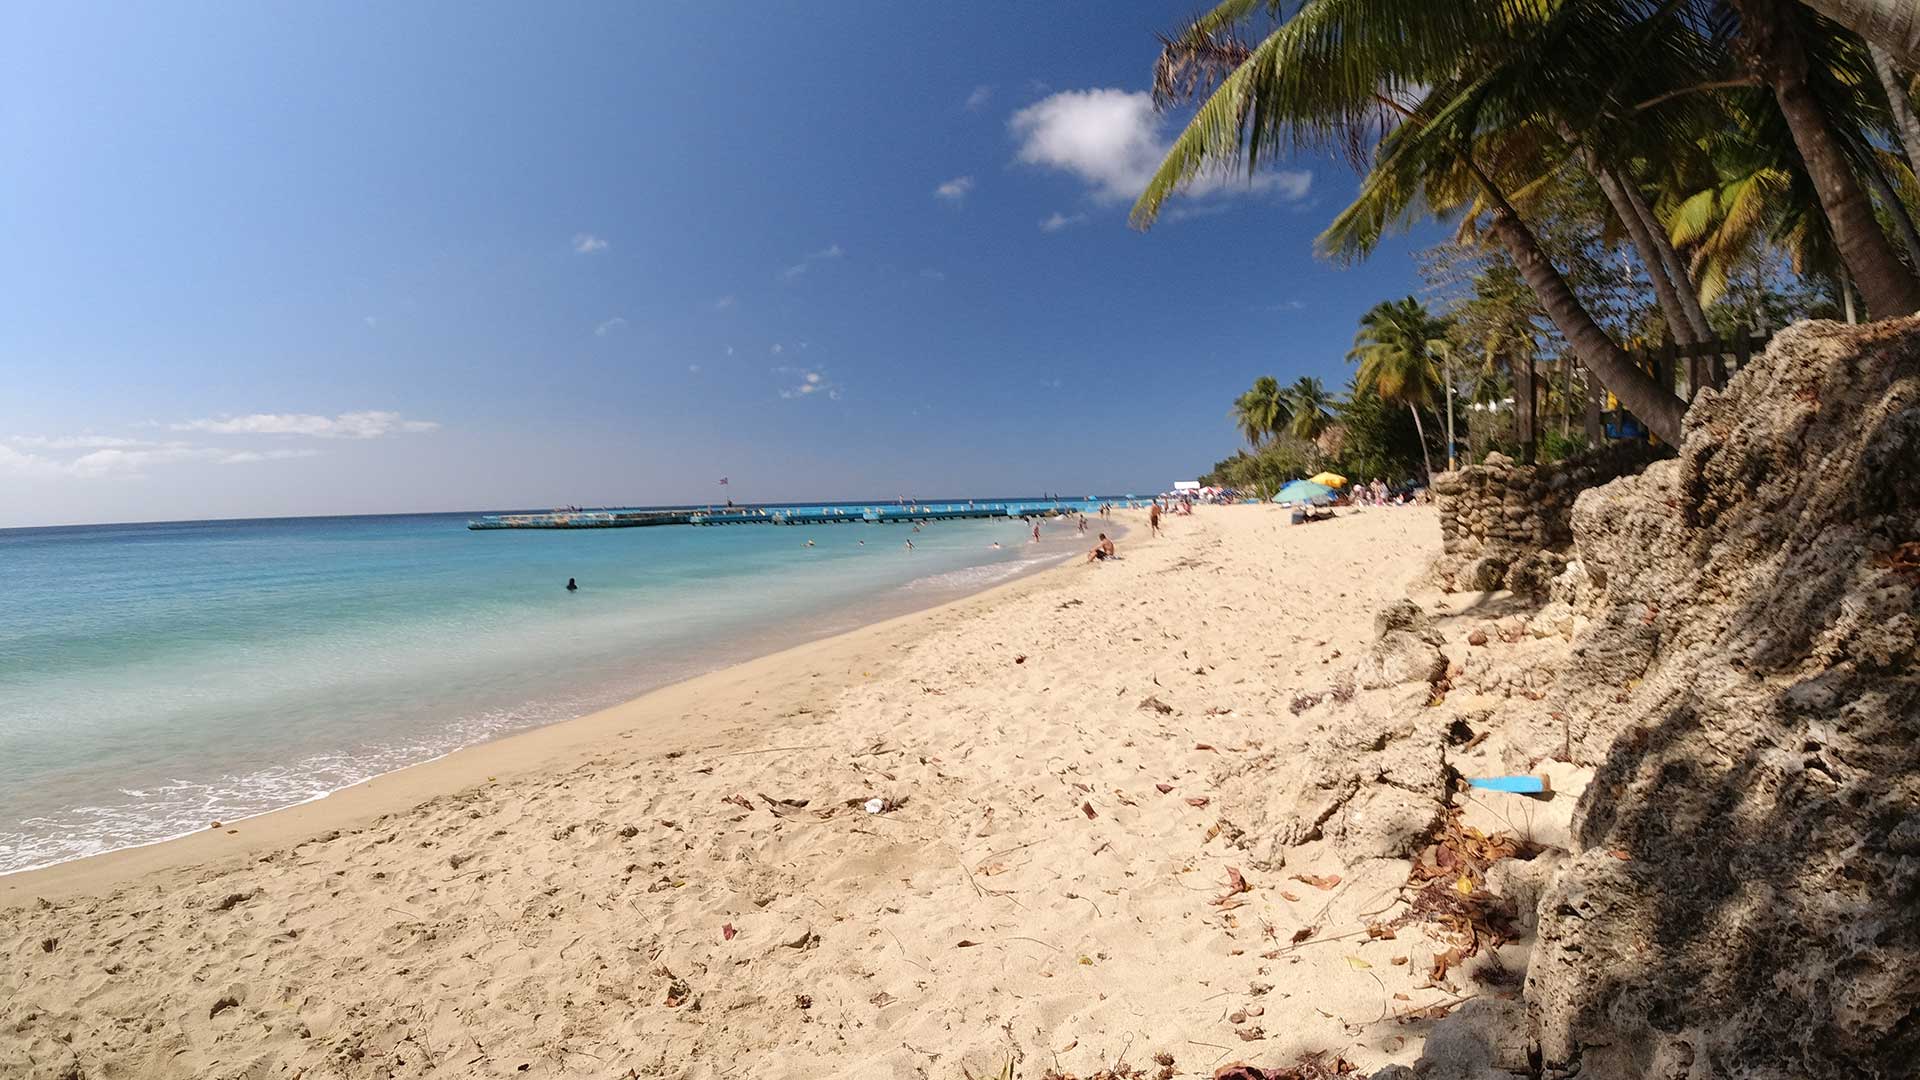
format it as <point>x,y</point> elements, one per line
<point>788,515</point>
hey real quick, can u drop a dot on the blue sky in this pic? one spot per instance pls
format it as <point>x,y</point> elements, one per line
<point>270,259</point>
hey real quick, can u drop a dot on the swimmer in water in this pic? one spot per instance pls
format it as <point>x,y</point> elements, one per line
<point>571,586</point>
<point>809,543</point>
<point>909,545</point>
<point>996,545</point>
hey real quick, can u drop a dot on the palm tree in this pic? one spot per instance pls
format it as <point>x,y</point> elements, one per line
<point>1262,412</point>
<point>1891,25</point>
<point>1444,97</point>
<point>1312,408</point>
<point>1774,43</point>
<point>1398,347</point>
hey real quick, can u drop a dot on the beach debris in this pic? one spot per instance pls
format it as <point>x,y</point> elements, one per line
<point>228,1002</point>
<point>1288,894</point>
<point>1478,637</point>
<point>803,1001</point>
<point>234,900</point>
<point>878,804</point>
<point>1303,934</point>
<point>1251,1034</point>
<point>1198,800</point>
<point>1319,1065</point>
<point>740,801</point>
<point>1164,789</point>
<point>1357,964</point>
<point>776,804</point>
<point>807,940</point>
<point>1087,809</point>
<point>1516,785</point>
<point>49,944</point>
<point>1318,881</point>
<point>1236,884</point>
<point>1021,659</point>
<point>1153,702</point>
<point>727,931</point>
<point>963,943</point>
<point>1205,746</point>
<point>881,1000</point>
<point>214,825</point>
<point>990,869</point>
<point>677,990</point>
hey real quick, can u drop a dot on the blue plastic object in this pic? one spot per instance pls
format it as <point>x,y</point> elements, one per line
<point>1518,785</point>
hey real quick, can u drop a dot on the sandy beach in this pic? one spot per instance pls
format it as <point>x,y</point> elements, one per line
<point>1101,842</point>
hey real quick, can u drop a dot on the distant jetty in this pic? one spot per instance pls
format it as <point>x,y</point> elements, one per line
<point>789,515</point>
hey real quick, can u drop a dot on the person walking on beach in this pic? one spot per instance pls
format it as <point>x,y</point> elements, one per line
<point>1036,532</point>
<point>1153,519</point>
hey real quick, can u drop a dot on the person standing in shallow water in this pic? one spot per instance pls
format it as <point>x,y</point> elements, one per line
<point>572,586</point>
<point>1153,519</point>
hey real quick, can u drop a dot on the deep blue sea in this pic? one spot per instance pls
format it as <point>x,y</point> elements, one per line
<point>157,677</point>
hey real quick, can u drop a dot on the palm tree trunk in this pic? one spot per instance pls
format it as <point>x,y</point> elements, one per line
<point>1657,407</point>
<point>1676,266</point>
<point>1897,210</point>
<point>1420,430</point>
<point>1452,459</point>
<point>1770,48</point>
<point>1890,24</point>
<point>1678,324</point>
<point>1904,121</point>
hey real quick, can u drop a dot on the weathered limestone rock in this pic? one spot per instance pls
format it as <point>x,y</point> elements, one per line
<point>1745,898</point>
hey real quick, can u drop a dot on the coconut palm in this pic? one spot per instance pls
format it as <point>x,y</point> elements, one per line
<point>1443,98</point>
<point>1398,349</point>
<point>1263,411</point>
<point>1312,408</point>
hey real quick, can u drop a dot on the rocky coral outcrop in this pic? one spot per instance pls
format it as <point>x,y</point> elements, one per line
<point>1744,899</point>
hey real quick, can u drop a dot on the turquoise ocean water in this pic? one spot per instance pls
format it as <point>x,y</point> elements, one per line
<point>157,677</point>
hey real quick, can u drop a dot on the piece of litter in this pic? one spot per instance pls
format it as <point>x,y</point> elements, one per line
<point>874,806</point>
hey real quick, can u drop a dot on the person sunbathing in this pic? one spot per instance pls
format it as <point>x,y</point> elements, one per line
<point>1102,551</point>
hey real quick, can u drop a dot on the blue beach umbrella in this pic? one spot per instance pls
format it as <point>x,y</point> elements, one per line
<point>1304,491</point>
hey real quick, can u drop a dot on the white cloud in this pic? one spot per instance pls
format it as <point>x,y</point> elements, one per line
<point>132,460</point>
<point>954,190</point>
<point>587,244</point>
<point>694,368</point>
<point>777,349</point>
<point>1057,221</point>
<point>725,302</point>
<point>807,383</point>
<point>729,350</point>
<point>933,275</point>
<point>1114,140</point>
<point>980,96</point>
<point>371,322</point>
<point>369,424</point>
<point>831,251</point>
<point>610,326</point>
<point>77,442</point>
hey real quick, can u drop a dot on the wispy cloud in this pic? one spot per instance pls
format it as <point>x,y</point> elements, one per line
<point>77,442</point>
<point>369,424</point>
<point>588,244</point>
<point>807,383</point>
<point>693,369</point>
<point>608,327</point>
<point>980,96</point>
<point>933,275</point>
<point>1113,140</point>
<point>777,349</point>
<point>954,190</point>
<point>1057,221</point>
<point>131,461</point>
<point>831,251</point>
<point>725,302</point>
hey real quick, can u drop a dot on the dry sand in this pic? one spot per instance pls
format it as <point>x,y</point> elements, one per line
<point>586,901</point>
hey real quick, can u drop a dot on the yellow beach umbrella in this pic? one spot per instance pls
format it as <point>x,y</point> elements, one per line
<point>1332,480</point>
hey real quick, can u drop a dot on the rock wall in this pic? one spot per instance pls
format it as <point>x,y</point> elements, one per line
<point>1744,894</point>
<point>1505,525</point>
